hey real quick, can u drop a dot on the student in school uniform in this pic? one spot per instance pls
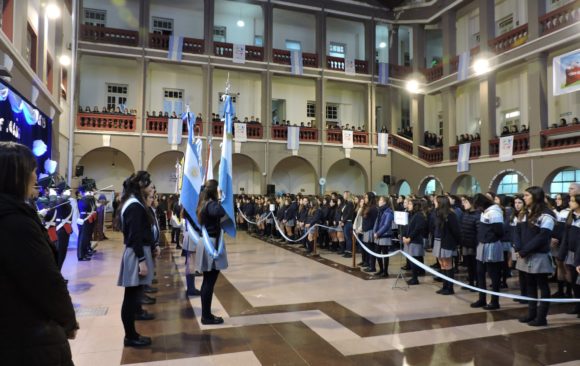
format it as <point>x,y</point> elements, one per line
<point>415,235</point>
<point>519,207</point>
<point>290,216</point>
<point>570,246</point>
<point>469,222</point>
<point>313,217</point>
<point>447,238</point>
<point>383,233</point>
<point>369,217</point>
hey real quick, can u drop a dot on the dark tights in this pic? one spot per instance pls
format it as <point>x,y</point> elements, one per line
<point>207,286</point>
<point>471,265</point>
<point>130,307</point>
<point>493,269</point>
<point>383,262</point>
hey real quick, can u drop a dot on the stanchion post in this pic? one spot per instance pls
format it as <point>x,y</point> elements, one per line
<point>354,244</point>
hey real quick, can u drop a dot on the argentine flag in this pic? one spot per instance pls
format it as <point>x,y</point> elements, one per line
<point>175,48</point>
<point>225,177</point>
<point>192,175</point>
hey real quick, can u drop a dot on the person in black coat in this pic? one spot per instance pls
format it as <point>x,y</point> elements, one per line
<point>369,215</point>
<point>570,247</point>
<point>313,217</point>
<point>36,312</point>
<point>447,238</point>
<point>323,234</point>
<point>469,222</point>
<point>414,237</point>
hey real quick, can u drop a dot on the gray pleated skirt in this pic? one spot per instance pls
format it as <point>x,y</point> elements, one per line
<point>129,272</point>
<point>507,246</point>
<point>384,241</point>
<point>440,252</point>
<point>536,263</point>
<point>290,223</point>
<point>415,250</point>
<point>204,262</point>
<point>189,245</point>
<point>570,258</point>
<point>368,236</point>
<point>489,252</point>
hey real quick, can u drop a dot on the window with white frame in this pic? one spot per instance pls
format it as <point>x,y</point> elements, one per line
<point>162,26</point>
<point>505,24</point>
<point>509,184</point>
<point>173,101</point>
<point>311,109</point>
<point>332,112</point>
<point>511,118</point>
<point>337,49</point>
<point>95,17</point>
<point>293,45</point>
<point>116,95</point>
<point>562,180</point>
<point>219,33</point>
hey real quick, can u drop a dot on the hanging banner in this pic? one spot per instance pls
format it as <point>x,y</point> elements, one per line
<point>383,143</point>
<point>347,139</point>
<point>239,54</point>
<point>174,131</point>
<point>175,49</point>
<point>293,138</point>
<point>383,73</point>
<point>566,73</point>
<point>506,148</point>
<point>349,67</point>
<point>240,132</point>
<point>463,158</point>
<point>463,66</point>
<point>297,66</point>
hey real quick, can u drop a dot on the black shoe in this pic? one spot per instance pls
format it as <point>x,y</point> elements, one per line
<point>491,306</point>
<point>361,264</point>
<point>380,273</point>
<point>369,269</point>
<point>538,323</point>
<point>198,273</point>
<point>447,291</point>
<point>527,318</point>
<point>558,295</point>
<point>478,304</point>
<point>212,321</point>
<point>144,316</point>
<point>150,290</point>
<point>139,342</point>
<point>412,282</point>
<point>347,255</point>
<point>503,285</point>
<point>146,300</point>
<point>194,292</point>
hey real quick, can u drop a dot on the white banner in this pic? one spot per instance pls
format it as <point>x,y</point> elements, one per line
<point>349,67</point>
<point>293,138</point>
<point>347,139</point>
<point>174,131</point>
<point>239,54</point>
<point>463,158</point>
<point>401,218</point>
<point>463,66</point>
<point>383,143</point>
<point>240,132</point>
<point>506,148</point>
<point>566,73</point>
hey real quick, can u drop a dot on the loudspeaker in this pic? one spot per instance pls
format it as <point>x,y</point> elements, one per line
<point>271,189</point>
<point>79,171</point>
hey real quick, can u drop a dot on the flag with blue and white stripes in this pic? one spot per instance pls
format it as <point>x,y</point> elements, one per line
<point>383,73</point>
<point>175,48</point>
<point>296,63</point>
<point>225,177</point>
<point>463,157</point>
<point>463,66</point>
<point>192,174</point>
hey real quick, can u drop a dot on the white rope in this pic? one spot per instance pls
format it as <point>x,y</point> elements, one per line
<point>252,222</point>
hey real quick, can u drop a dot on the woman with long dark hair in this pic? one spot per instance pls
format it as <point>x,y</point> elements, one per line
<point>534,250</point>
<point>489,254</point>
<point>313,217</point>
<point>137,223</point>
<point>368,222</point>
<point>383,233</point>
<point>209,213</point>
<point>519,208</point>
<point>37,314</point>
<point>447,237</point>
<point>415,235</point>
<point>469,222</point>
<point>569,248</point>
<point>562,212</point>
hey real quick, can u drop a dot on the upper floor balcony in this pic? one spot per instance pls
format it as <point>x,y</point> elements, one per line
<point>190,45</point>
<point>98,34</point>
<point>561,137</point>
<point>112,122</point>
<point>159,125</point>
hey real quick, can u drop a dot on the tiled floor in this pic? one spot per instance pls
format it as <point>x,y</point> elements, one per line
<point>282,308</point>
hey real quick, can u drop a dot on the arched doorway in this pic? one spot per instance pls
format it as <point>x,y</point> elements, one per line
<point>108,167</point>
<point>246,178</point>
<point>509,182</point>
<point>163,171</point>
<point>294,175</point>
<point>559,180</point>
<point>466,184</point>
<point>346,175</point>
<point>430,185</point>
<point>404,188</point>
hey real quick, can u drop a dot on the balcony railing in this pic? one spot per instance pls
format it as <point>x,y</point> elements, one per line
<point>279,133</point>
<point>431,155</point>
<point>474,151</point>
<point>158,125</point>
<point>306,133</point>
<point>402,143</point>
<point>190,45</point>
<point>561,137</point>
<point>334,136</point>
<point>254,131</point>
<point>521,144</point>
<point>121,37</point>
<point>561,17</point>
<point>338,64</point>
<point>217,129</point>
<point>253,53</point>
<point>283,57</point>
<point>106,122</point>
<point>358,137</point>
<point>434,73</point>
<point>399,71</point>
<point>512,39</point>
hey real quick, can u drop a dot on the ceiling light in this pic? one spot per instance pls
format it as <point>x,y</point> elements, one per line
<point>481,66</point>
<point>52,11</point>
<point>412,86</point>
<point>64,60</point>
<point>383,45</point>
<point>241,23</point>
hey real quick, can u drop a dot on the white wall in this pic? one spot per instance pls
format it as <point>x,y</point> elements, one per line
<point>433,108</point>
<point>247,84</point>
<point>555,4</point>
<point>188,78</point>
<point>352,101</point>
<point>295,26</point>
<point>227,13</point>
<point>162,170</point>
<point>96,72</point>
<point>245,175</point>
<point>516,7</point>
<point>293,174</point>
<point>512,89</point>
<point>297,92</point>
<point>122,16</point>
<point>345,175</point>
<point>99,166</point>
<point>348,32</point>
<point>467,109</point>
<point>187,16</point>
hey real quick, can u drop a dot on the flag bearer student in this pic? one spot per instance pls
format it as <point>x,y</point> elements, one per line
<point>447,238</point>
<point>314,217</point>
<point>489,254</point>
<point>533,247</point>
<point>469,222</point>
<point>290,216</point>
<point>383,233</point>
<point>368,222</point>
<point>570,246</point>
<point>85,222</point>
<point>338,228</point>
<point>64,213</point>
<point>347,219</point>
<point>189,248</point>
<point>415,234</point>
<point>519,208</point>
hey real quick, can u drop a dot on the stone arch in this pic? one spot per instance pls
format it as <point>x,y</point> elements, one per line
<point>346,175</point>
<point>246,174</point>
<point>107,166</point>
<point>515,187</point>
<point>466,184</point>
<point>553,188</point>
<point>426,184</point>
<point>294,174</point>
<point>403,188</point>
<point>163,171</point>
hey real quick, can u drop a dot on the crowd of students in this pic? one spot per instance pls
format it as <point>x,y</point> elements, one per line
<point>489,234</point>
